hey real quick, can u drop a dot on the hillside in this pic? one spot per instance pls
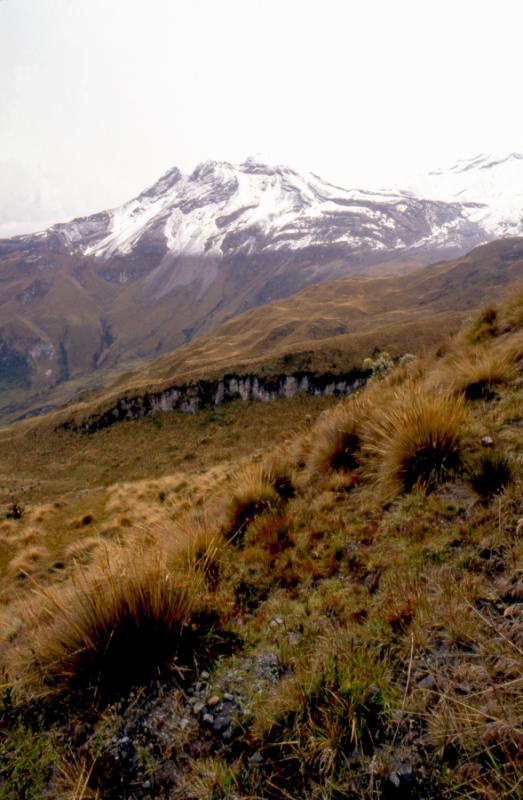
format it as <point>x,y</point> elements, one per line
<point>330,328</point>
<point>304,599</point>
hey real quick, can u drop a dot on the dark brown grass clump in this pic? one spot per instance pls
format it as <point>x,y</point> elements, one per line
<point>416,440</point>
<point>492,473</point>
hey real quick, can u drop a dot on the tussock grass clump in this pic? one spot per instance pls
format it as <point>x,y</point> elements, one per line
<point>254,494</point>
<point>416,440</point>
<point>82,551</point>
<point>492,472</point>
<point>512,313</point>
<point>198,545</point>
<point>27,561</point>
<point>336,440</point>
<point>279,474</point>
<point>485,326</point>
<point>479,375</point>
<point>117,624</point>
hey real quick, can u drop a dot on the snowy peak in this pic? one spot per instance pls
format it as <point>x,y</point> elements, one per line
<point>223,210</point>
<point>481,162</point>
<point>163,185</point>
<point>254,207</point>
<point>490,188</point>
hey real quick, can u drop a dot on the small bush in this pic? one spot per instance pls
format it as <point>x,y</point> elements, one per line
<point>378,366</point>
<point>492,474</point>
<point>416,440</point>
<point>15,511</point>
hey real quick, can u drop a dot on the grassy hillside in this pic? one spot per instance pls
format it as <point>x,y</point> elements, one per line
<point>333,326</point>
<point>305,599</point>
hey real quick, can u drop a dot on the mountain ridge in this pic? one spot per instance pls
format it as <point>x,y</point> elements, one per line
<point>316,338</point>
<point>105,293</point>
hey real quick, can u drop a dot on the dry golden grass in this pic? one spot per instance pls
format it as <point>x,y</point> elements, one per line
<point>415,440</point>
<point>253,493</point>
<point>395,628</point>
<point>28,561</point>
<point>337,438</point>
<point>116,624</point>
<point>479,374</point>
<point>83,550</point>
<point>279,473</point>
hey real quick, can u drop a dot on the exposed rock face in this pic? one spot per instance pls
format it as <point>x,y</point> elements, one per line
<point>191,398</point>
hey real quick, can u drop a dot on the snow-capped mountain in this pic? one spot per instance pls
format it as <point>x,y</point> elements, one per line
<point>119,287</point>
<point>489,189</point>
<point>222,209</point>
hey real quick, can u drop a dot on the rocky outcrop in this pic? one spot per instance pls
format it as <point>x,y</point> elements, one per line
<point>192,397</point>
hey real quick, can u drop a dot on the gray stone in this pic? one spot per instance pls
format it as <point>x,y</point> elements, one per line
<point>426,683</point>
<point>220,723</point>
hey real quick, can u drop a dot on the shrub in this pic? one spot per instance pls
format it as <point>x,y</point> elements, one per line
<point>15,511</point>
<point>378,366</point>
<point>118,624</point>
<point>492,473</point>
<point>416,440</point>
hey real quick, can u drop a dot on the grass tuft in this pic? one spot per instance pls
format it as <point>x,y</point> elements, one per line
<point>416,440</point>
<point>254,494</point>
<point>480,375</point>
<point>118,624</point>
<point>492,473</point>
<point>336,440</point>
<point>336,705</point>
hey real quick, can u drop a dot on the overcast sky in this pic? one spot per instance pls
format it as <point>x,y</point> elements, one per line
<point>99,97</point>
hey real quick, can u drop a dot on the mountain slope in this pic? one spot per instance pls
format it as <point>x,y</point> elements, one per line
<point>267,602</point>
<point>332,327</point>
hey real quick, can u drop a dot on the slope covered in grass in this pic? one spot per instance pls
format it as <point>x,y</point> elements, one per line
<point>337,615</point>
<point>330,327</point>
